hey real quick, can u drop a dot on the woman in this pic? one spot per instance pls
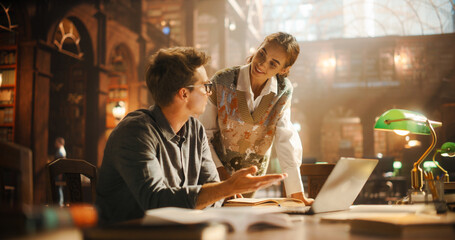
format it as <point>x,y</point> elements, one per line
<point>250,108</point>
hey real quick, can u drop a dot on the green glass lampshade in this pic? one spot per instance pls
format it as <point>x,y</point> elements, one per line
<point>400,119</point>
<point>448,149</point>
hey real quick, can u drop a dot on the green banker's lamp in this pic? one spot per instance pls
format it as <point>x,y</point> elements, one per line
<point>403,122</point>
<point>447,150</point>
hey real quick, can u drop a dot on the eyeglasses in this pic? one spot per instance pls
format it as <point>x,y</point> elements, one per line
<point>208,86</point>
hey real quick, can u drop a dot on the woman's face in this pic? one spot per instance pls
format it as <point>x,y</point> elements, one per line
<point>269,60</point>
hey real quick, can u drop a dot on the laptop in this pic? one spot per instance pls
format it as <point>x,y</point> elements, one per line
<point>341,187</point>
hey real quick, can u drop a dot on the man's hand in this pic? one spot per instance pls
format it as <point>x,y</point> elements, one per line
<point>243,180</point>
<point>223,173</point>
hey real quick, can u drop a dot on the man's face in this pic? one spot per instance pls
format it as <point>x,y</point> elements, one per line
<point>199,96</point>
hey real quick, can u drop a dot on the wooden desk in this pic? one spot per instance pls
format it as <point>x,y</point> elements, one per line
<point>306,228</point>
<point>311,228</point>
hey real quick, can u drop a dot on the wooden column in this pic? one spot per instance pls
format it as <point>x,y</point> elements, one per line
<point>368,121</point>
<point>40,121</point>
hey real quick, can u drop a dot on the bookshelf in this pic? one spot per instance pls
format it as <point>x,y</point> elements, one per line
<point>8,74</point>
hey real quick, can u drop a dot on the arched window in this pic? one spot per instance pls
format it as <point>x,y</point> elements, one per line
<point>67,38</point>
<point>6,20</point>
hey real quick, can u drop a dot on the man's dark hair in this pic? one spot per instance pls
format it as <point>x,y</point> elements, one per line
<point>171,69</point>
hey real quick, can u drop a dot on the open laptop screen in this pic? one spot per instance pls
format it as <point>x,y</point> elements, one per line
<point>343,184</point>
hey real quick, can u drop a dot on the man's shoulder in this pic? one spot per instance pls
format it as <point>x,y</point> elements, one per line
<point>194,122</point>
<point>195,127</point>
<point>139,115</point>
<point>139,119</point>
<point>134,129</point>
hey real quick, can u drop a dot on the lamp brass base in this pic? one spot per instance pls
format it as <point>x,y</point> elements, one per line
<point>416,196</point>
<point>417,179</point>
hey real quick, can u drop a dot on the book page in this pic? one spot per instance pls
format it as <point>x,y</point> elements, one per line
<point>283,202</point>
<point>414,208</point>
<point>239,218</point>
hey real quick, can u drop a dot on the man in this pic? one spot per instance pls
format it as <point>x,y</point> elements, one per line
<point>160,157</point>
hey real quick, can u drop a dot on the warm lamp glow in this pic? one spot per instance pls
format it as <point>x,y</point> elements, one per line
<point>414,143</point>
<point>329,62</point>
<point>232,26</point>
<point>401,132</point>
<point>401,59</point>
<point>119,110</point>
<point>448,154</point>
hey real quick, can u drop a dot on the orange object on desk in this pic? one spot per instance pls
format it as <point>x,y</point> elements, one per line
<point>84,215</point>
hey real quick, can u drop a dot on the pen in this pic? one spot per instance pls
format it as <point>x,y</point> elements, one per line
<point>430,181</point>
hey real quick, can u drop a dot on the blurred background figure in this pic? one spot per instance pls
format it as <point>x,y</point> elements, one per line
<point>60,147</point>
<point>60,153</point>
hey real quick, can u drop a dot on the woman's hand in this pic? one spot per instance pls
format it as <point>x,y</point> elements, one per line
<point>301,196</point>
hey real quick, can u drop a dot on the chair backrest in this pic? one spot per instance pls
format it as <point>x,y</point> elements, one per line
<point>16,175</point>
<point>317,175</point>
<point>71,170</point>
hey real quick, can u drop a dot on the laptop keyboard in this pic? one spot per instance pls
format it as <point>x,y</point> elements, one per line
<point>298,210</point>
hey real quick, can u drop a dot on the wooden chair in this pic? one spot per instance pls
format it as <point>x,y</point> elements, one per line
<point>16,175</point>
<point>71,169</point>
<point>317,175</point>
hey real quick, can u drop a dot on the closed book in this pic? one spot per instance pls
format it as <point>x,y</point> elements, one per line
<point>406,225</point>
<point>202,231</point>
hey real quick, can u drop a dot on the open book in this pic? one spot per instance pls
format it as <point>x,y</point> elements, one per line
<point>263,202</point>
<point>237,218</point>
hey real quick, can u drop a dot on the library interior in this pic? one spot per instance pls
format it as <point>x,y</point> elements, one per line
<point>362,119</point>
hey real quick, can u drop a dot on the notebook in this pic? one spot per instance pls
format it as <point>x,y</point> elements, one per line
<point>341,187</point>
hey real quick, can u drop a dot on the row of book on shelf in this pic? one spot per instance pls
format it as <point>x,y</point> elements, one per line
<point>8,77</point>
<point>6,115</point>
<point>6,134</point>
<point>7,57</point>
<point>6,96</point>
